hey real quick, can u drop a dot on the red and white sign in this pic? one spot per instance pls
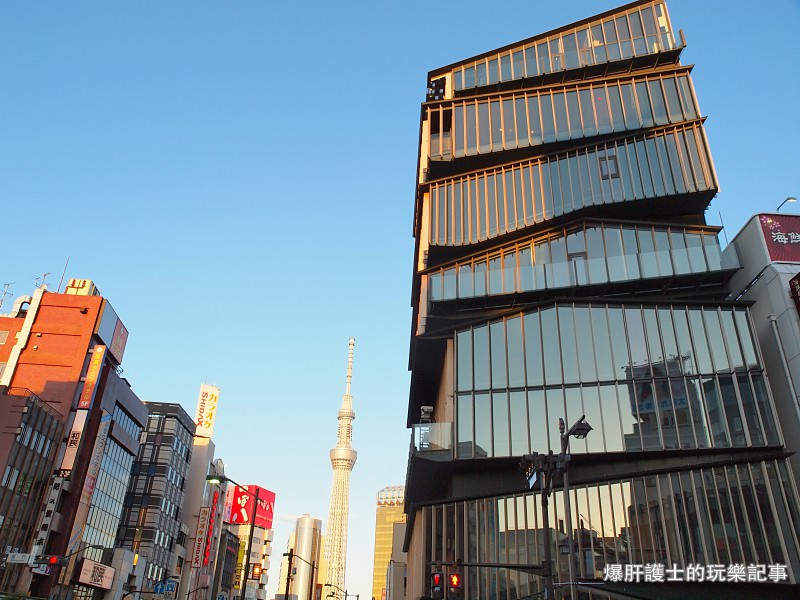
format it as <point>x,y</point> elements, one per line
<point>794,291</point>
<point>239,508</point>
<point>782,236</point>
<point>92,377</point>
<point>211,517</point>
<point>96,574</point>
<point>206,410</point>
<point>200,537</point>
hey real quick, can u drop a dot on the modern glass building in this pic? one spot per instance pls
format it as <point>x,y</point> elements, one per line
<point>563,267</point>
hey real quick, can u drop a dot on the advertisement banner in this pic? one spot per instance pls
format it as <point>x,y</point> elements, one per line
<point>206,410</point>
<point>240,506</point>
<point>92,377</point>
<point>794,291</point>
<point>73,441</point>
<point>112,332</point>
<point>200,536</point>
<point>782,236</point>
<point>96,574</point>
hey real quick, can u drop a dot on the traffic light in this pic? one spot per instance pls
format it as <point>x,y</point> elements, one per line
<point>437,586</point>
<point>52,560</point>
<point>454,586</point>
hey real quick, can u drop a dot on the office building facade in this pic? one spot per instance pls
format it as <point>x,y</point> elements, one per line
<point>389,510</point>
<point>563,267</point>
<point>151,518</point>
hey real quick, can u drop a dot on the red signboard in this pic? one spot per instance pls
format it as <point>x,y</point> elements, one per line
<point>241,506</point>
<point>794,291</point>
<point>92,376</point>
<point>782,235</point>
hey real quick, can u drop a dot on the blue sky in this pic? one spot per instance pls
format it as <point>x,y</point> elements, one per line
<point>238,178</point>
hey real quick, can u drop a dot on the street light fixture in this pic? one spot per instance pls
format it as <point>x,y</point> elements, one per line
<point>789,199</point>
<point>333,595</point>
<point>219,479</point>
<point>579,430</point>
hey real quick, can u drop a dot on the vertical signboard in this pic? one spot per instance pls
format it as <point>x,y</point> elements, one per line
<point>73,442</point>
<point>206,410</point>
<point>241,501</point>
<point>200,537</point>
<point>92,377</point>
<point>794,291</point>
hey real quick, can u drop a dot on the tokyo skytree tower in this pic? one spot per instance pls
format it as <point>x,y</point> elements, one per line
<point>343,457</point>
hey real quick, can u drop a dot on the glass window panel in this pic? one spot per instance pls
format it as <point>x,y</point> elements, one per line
<point>628,414</point>
<point>636,178</point>
<point>558,269</point>
<point>484,137</point>
<point>750,410</point>
<point>509,271</point>
<point>595,255</point>
<point>495,276</point>
<point>639,365</point>
<point>519,198</point>
<point>655,167</point>
<point>731,339</point>
<point>694,247</point>
<point>587,112</point>
<point>673,101</point>
<point>657,99</point>
<point>617,115</point>
<point>464,352</point>
<point>505,67</point>
<point>502,445</point>
<point>612,48</point>
<point>666,171</point>
<point>533,350</point>
<point>555,409</point>
<point>556,54</point>
<point>555,182</point>
<point>506,202</point>
<point>465,287</point>
<point>594,178</point>
<point>743,328</point>
<point>458,217</point>
<point>715,340</point>
<point>497,125</point>
<point>473,212</point>
<point>584,47</point>
<point>527,192</point>
<point>494,73</point>
<point>520,438</point>
<point>570,51</point>
<point>662,252</point>
<point>480,364</point>
<point>481,202</point>
<point>491,201</point>
<point>765,409</point>
<point>509,132</point>
<point>647,254</point>
<point>435,283</point>
<point>585,198</point>
<point>521,116</point>
<point>680,254</point>
<point>626,46</point>
<point>734,417</point>
<point>698,164</point>
<point>631,246</point>
<point>639,44</point>
<point>629,104</point>
<point>480,74</point>
<point>483,425</point>
<point>551,351</point>
<point>624,171</point>
<point>598,40</point>
<point>569,357</point>
<point>586,350</point>
<point>657,362</point>
<point>538,200</point>
<point>458,130</point>
<point>544,57</point>
<point>480,278</point>
<point>668,339</point>
<point>687,98</point>
<point>713,256</point>
<point>516,366</point>
<point>548,127</point>
<point>601,109</point>
<point>526,281</point>
<point>533,120</point>
<point>518,62</point>
<point>469,77</point>
<point>643,100</point>
<point>531,68</point>
<point>564,167</point>
<point>541,259</point>
<point>498,344</point>
<point>614,253</point>
<point>686,352</point>
<point>574,110</point>
<point>644,168</point>
<point>449,284</point>
<point>537,419</point>
<point>471,133</point>
<point>698,330</point>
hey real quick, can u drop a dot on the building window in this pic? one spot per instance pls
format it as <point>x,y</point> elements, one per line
<point>3,337</point>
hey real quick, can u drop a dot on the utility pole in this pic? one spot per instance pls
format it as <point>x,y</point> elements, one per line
<point>290,554</point>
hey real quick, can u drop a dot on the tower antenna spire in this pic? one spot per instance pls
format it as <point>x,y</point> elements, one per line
<point>343,458</point>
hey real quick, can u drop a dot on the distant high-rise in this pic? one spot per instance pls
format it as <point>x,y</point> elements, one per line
<point>388,512</point>
<point>343,457</point>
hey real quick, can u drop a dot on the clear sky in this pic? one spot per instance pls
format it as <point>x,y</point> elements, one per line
<point>238,179</point>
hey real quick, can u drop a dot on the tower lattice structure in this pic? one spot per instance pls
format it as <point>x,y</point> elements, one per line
<point>343,457</point>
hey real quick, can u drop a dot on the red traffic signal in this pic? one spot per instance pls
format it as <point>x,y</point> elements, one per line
<point>437,587</point>
<point>49,559</point>
<point>454,581</point>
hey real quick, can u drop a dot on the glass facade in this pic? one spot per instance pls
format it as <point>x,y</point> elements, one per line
<point>563,269</point>
<point>592,253</point>
<point>637,32</point>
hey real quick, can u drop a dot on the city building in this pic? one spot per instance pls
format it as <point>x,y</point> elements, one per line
<point>768,248</point>
<point>389,511</point>
<point>396,570</point>
<point>563,269</point>
<point>67,349</point>
<point>151,519</point>
<point>227,563</point>
<point>304,558</point>
<point>343,458</point>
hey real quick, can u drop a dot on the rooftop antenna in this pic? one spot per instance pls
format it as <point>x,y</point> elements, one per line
<point>39,281</point>
<point>5,293</point>
<point>64,272</point>
<point>725,231</point>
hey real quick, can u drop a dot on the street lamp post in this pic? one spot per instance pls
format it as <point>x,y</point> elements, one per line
<point>332,595</point>
<point>789,199</point>
<point>313,564</point>
<point>216,480</point>
<point>579,430</point>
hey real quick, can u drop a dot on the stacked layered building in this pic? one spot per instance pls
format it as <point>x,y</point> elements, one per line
<point>388,513</point>
<point>563,267</point>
